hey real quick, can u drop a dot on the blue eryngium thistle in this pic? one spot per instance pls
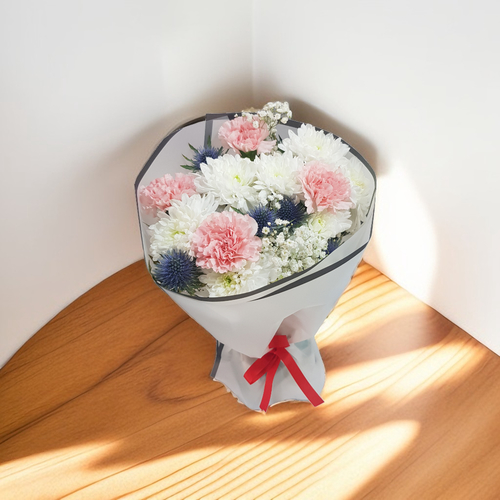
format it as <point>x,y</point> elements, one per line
<point>200,156</point>
<point>295,214</point>
<point>177,271</point>
<point>333,244</point>
<point>264,217</point>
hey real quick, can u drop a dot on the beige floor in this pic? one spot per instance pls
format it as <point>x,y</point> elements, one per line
<point>112,399</point>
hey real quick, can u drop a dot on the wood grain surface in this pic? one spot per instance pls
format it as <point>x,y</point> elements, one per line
<point>113,399</point>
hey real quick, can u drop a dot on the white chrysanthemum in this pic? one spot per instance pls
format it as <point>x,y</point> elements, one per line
<point>176,229</point>
<point>252,276</point>
<point>361,182</point>
<point>311,144</point>
<point>278,174</point>
<point>231,180</point>
<point>328,224</point>
<point>361,190</point>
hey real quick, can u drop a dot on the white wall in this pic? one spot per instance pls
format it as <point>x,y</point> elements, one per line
<point>415,87</point>
<point>87,90</point>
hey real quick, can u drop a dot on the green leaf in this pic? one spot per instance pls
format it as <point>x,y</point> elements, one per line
<point>249,154</point>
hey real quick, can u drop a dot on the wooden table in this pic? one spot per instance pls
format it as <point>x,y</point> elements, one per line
<point>113,399</point>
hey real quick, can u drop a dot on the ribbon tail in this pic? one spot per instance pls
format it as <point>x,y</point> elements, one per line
<point>259,368</point>
<point>299,378</point>
<point>268,387</point>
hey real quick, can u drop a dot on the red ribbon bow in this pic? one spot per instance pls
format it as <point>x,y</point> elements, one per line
<point>269,363</point>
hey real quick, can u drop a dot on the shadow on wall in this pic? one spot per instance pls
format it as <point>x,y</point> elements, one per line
<point>307,113</point>
<point>405,207</point>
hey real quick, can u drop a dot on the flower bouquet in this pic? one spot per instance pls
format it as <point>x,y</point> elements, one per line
<point>254,224</point>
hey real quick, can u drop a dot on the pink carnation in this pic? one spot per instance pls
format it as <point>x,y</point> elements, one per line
<point>225,241</point>
<point>160,192</point>
<point>240,135</point>
<point>325,189</point>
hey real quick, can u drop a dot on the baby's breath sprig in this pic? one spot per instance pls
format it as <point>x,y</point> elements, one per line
<point>272,113</point>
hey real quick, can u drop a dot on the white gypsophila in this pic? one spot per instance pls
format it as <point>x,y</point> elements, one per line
<point>328,224</point>
<point>251,276</point>
<point>361,190</point>
<point>314,145</point>
<point>273,113</point>
<point>278,174</point>
<point>291,253</point>
<point>231,180</point>
<point>175,229</point>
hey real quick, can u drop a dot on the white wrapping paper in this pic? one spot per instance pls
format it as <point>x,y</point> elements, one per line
<point>296,306</point>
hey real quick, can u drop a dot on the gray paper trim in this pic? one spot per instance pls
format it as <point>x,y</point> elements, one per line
<point>218,354</point>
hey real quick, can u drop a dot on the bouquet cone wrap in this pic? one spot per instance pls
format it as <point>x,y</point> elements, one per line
<point>244,325</point>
